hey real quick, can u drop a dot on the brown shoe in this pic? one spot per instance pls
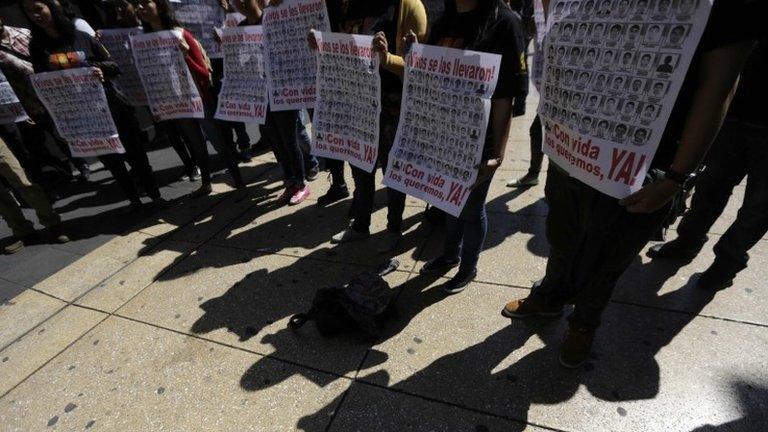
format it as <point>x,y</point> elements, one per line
<point>530,307</point>
<point>576,347</point>
<point>56,235</point>
<point>13,247</point>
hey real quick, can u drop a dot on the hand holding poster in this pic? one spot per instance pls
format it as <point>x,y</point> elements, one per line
<point>118,43</point>
<point>443,121</point>
<point>243,94</point>
<point>611,78</point>
<point>201,17</point>
<point>291,65</point>
<point>11,110</point>
<point>171,92</point>
<point>346,123</point>
<point>76,101</point>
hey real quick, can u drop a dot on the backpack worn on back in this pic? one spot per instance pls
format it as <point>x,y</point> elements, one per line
<point>362,306</point>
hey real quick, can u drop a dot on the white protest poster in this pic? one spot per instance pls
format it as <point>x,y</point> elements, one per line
<point>118,43</point>
<point>443,119</point>
<point>537,62</point>
<point>291,65</point>
<point>232,19</point>
<point>201,18</point>
<point>243,95</point>
<point>76,101</point>
<point>346,123</point>
<point>612,74</point>
<point>170,90</point>
<point>11,110</point>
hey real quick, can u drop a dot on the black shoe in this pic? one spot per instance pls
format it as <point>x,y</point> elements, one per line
<point>313,173</point>
<point>576,347</point>
<point>676,249</point>
<point>438,266</point>
<point>459,282</point>
<point>717,277</point>
<point>335,193</point>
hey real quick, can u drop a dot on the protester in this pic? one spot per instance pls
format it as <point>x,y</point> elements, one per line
<point>80,24</point>
<point>388,21</point>
<point>157,15</point>
<point>740,150</point>
<point>23,230</point>
<point>593,238</point>
<point>280,127</point>
<point>57,45</point>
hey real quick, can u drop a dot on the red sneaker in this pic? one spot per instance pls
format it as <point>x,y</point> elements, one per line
<point>299,195</point>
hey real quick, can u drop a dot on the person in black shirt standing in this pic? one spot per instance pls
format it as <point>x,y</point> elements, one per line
<point>740,150</point>
<point>593,237</point>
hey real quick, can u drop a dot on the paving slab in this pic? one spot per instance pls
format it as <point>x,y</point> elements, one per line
<point>34,264</point>
<point>128,376</point>
<point>9,290</point>
<point>519,201</point>
<point>368,408</point>
<point>651,370</point>
<point>24,312</point>
<point>27,354</point>
<point>245,299</point>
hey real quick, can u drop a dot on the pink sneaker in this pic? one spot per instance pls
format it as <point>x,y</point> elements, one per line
<point>287,194</point>
<point>299,195</point>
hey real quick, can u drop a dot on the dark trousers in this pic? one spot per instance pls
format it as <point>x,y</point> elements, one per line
<point>537,154</point>
<point>365,184</point>
<point>280,131</point>
<point>740,150</point>
<point>592,241</point>
<point>336,168</point>
<point>465,235</point>
<point>135,154</point>
<point>243,141</point>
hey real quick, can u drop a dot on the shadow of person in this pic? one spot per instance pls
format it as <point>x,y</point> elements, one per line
<point>752,399</point>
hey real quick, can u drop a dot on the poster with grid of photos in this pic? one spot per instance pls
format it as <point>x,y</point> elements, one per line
<point>11,110</point>
<point>346,123</point>
<point>201,18</point>
<point>118,43</point>
<point>244,96</point>
<point>76,101</point>
<point>612,73</point>
<point>171,92</point>
<point>537,62</point>
<point>291,65</point>
<point>443,120</point>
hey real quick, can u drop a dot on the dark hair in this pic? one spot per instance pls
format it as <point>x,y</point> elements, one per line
<point>111,7</point>
<point>489,10</point>
<point>61,21</point>
<point>167,17</point>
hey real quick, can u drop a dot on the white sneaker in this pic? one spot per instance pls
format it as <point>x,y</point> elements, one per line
<point>348,235</point>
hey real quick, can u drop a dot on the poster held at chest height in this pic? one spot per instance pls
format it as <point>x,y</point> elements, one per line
<point>118,43</point>
<point>201,17</point>
<point>612,73</point>
<point>243,95</point>
<point>11,110</point>
<point>443,120</point>
<point>76,101</point>
<point>171,92</point>
<point>291,65</point>
<point>346,124</point>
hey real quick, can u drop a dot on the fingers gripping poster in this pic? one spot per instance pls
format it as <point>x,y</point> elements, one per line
<point>11,110</point>
<point>171,92</point>
<point>76,101</point>
<point>443,119</point>
<point>118,43</point>
<point>612,73</point>
<point>291,65</point>
<point>346,123</point>
<point>201,18</point>
<point>243,95</point>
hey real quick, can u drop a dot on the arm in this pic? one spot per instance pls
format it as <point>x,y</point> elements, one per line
<point>102,60</point>
<point>501,124</point>
<point>718,78</point>
<point>414,20</point>
<point>194,56</point>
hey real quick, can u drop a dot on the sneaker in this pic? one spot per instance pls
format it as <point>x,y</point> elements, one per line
<point>335,193</point>
<point>527,180</point>
<point>349,235</point>
<point>530,307</point>
<point>390,242</point>
<point>204,190</point>
<point>85,172</point>
<point>439,266</point>
<point>717,277</point>
<point>14,246</point>
<point>576,347</point>
<point>194,175</point>
<point>299,195</point>
<point>313,173</point>
<point>56,235</point>
<point>288,192</point>
<point>459,282</point>
<point>676,249</point>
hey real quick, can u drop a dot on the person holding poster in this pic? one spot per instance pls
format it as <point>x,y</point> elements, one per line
<point>57,45</point>
<point>486,26</point>
<point>157,16</point>
<point>593,236</point>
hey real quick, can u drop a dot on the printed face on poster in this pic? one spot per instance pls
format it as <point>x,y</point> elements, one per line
<point>346,123</point>
<point>118,43</point>
<point>612,73</point>
<point>291,65</point>
<point>243,95</point>
<point>170,90</point>
<point>76,101</point>
<point>201,17</point>
<point>11,110</point>
<point>443,120</point>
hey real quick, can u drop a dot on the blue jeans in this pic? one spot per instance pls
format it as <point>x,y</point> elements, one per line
<point>302,136</point>
<point>465,235</point>
<point>280,132</point>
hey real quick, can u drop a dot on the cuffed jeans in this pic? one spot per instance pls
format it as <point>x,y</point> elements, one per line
<point>310,162</point>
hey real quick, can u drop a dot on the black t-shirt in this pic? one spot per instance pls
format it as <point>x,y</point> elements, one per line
<point>731,21</point>
<point>749,103</point>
